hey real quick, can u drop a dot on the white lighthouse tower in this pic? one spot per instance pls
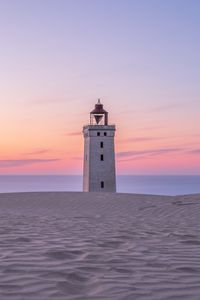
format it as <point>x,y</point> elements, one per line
<point>99,153</point>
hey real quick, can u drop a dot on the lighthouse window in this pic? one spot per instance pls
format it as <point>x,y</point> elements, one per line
<point>102,184</point>
<point>102,158</point>
<point>101,144</point>
<point>98,133</point>
<point>105,133</point>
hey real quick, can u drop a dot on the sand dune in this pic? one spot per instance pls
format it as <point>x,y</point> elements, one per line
<point>99,246</point>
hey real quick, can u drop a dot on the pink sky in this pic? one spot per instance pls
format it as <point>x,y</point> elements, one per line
<point>54,145</point>
<point>141,59</point>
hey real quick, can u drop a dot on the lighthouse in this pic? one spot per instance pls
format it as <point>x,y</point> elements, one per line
<point>99,152</point>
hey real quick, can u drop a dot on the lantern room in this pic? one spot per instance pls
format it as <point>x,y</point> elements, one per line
<point>98,116</point>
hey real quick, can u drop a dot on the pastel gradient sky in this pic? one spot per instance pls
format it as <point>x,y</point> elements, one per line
<point>141,57</point>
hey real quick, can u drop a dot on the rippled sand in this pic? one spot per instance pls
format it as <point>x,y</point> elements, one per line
<point>99,246</point>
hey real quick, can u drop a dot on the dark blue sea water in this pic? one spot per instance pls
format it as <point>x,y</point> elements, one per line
<point>158,185</point>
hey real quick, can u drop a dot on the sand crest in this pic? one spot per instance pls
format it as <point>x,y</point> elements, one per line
<point>99,246</point>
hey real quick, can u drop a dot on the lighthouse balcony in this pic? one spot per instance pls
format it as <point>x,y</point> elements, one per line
<point>99,127</point>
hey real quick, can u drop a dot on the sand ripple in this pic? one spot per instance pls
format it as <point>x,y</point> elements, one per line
<point>99,246</point>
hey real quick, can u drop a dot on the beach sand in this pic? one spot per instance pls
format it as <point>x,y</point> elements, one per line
<point>99,246</point>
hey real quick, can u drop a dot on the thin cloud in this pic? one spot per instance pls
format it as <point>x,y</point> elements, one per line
<point>194,151</point>
<point>143,139</point>
<point>53,100</point>
<point>130,153</point>
<point>152,152</point>
<point>149,128</point>
<point>8,163</point>
<point>166,107</point>
<point>159,108</point>
<point>39,151</point>
<point>76,133</point>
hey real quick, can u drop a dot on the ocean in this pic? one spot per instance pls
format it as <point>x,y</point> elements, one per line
<point>157,185</point>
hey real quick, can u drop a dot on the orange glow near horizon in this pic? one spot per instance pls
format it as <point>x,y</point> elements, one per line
<point>62,153</point>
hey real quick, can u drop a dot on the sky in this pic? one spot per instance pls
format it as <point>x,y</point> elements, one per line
<point>141,57</point>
